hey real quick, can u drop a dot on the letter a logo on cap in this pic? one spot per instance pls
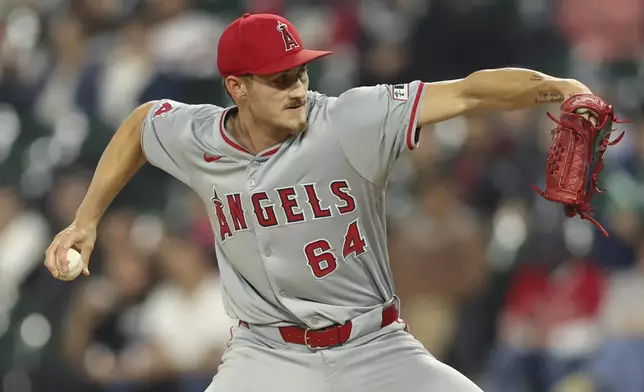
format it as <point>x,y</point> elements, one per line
<point>287,37</point>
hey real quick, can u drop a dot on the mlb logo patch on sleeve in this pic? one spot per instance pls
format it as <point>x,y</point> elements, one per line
<point>400,92</point>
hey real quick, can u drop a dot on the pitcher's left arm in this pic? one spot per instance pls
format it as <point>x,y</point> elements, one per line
<point>503,89</point>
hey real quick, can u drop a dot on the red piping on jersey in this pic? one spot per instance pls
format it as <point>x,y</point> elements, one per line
<point>412,120</point>
<point>270,152</point>
<point>235,145</point>
<point>223,134</point>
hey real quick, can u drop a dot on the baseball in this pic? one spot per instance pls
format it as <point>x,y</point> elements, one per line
<point>74,265</point>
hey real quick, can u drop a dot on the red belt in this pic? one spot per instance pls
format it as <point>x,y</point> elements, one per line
<point>319,339</point>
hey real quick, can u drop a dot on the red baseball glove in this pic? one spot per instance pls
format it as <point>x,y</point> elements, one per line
<point>576,155</point>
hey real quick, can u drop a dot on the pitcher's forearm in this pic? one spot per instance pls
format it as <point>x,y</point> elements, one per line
<point>122,158</point>
<point>517,88</point>
<point>494,89</point>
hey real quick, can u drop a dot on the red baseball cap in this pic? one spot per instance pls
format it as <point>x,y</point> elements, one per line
<point>261,44</point>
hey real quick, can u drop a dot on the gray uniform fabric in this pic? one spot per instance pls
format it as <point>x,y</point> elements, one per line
<point>300,234</point>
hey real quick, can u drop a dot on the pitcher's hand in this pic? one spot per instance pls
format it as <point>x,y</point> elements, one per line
<point>80,238</point>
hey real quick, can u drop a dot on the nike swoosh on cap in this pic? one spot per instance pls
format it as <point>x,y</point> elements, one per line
<point>211,158</point>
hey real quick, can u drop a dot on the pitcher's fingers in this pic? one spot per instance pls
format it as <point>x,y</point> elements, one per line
<point>50,257</point>
<point>588,114</point>
<point>86,252</point>
<point>61,254</point>
<point>590,117</point>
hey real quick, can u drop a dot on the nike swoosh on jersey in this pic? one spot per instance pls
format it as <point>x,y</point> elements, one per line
<point>211,158</point>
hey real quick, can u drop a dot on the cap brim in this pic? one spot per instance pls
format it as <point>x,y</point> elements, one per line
<point>287,62</point>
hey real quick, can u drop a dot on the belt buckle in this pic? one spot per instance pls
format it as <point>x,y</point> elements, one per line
<point>307,343</point>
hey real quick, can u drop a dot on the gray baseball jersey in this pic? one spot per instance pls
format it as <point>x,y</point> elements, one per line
<point>300,227</point>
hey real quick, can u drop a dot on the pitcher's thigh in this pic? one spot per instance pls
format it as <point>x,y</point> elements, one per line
<point>397,361</point>
<point>249,367</point>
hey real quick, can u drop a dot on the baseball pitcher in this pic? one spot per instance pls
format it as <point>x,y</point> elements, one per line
<point>294,184</point>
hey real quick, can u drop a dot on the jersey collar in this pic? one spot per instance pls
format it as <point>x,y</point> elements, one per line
<point>231,142</point>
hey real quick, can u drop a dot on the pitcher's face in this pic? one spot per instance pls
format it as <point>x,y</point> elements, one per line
<point>280,99</point>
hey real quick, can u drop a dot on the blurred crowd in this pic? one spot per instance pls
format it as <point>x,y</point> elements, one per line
<point>494,280</point>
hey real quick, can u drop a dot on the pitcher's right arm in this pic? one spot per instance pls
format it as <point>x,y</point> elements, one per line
<point>122,158</point>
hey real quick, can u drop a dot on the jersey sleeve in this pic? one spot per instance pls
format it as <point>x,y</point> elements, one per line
<point>376,124</point>
<point>161,137</point>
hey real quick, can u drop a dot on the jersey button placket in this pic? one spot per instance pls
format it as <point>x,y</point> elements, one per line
<point>251,171</point>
